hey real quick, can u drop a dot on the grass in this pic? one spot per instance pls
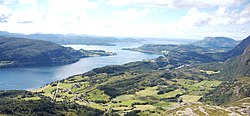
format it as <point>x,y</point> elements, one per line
<point>171,94</point>
<point>121,108</point>
<point>148,113</point>
<point>207,83</point>
<point>48,95</point>
<point>144,107</point>
<point>66,85</point>
<point>185,82</point>
<point>76,78</point>
<point>49,89</point>
<point>124,98</point>
<point>209,72</point>
<point>129,102</point>
<point>154,103</point>
<point>32,98</point>
<point>149,91</point>
<point>46,89</point>
<point>164,105</point>
<point>98,95</point>
<point>97,106</point>
<point>203,87</point>
<point>190,98</point>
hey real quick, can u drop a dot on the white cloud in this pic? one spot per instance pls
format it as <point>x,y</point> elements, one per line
<point>54,18</point>
<point>73,16</point>
<point>177,3</point>
<point>5,13</point>
<point>6,2</point>
<point>205,3</point>
<point>243,20</point>
<point>29,15</point>
<point>64,6</point>
<point>221,11</point>
<point>222,16</point>
<point>27,2</point>
<point>131,13</point>
<point>119,2</point>
<point>244,15</point>
<point>195,18</point>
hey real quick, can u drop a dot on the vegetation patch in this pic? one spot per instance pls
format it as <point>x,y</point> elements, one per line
<point>210,72</point>
<point>190,98</point>
<point>144,107</point>
<point>32,98</point>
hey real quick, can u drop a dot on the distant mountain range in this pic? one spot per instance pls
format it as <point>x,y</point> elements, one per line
<point>217,42</point>
<point>72,39</point>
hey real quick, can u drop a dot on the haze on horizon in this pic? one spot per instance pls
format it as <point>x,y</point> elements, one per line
<point>193,19</point>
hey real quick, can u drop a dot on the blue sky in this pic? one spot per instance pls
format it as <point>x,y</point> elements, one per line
<point>190,19</point>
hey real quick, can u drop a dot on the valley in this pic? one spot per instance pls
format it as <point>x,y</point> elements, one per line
<point>124,58</point>
<point>159,86</point>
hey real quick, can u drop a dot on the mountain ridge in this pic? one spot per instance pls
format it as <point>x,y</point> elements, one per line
<point>225,43</point>
<point>27,52</point>
<point>71,38</point>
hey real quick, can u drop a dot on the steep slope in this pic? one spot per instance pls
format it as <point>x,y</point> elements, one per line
<point>239,49</point>
<point>27,52</point>
<point>238,66</point>
<point>235,73</point>
<point>217,42</point>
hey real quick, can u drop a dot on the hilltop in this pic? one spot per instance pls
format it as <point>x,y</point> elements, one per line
<point>16,52</point>
<point>223,43</point>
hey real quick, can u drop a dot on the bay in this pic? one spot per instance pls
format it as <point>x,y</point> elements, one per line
<point>26,78</point>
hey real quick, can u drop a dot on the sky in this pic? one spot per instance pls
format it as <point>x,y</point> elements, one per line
<point>186,19</point>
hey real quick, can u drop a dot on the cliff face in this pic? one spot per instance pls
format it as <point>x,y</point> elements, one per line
<point>27,52</point>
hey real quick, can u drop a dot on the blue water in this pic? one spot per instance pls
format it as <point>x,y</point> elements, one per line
<point>35,77</point>
<point>31,78</point>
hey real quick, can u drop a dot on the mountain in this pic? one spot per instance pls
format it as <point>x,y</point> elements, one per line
<point>27,52</point>
<point>72,38</point>
<point>178,55</point>
<point>147,87</point>
<point>240,48</point>
<point>238,66</point>
<point>235,74</point>
<point>234,91</point>
<point>237,61</point>
<point>217,42</point>
<point>236,82</point>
